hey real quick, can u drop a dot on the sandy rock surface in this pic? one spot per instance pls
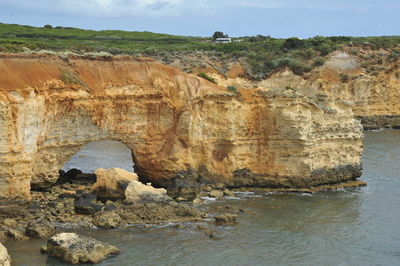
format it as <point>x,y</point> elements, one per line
<point>4,257</point>
<point>73,248</point>
<point>139,192</point>
<point>111,183</point>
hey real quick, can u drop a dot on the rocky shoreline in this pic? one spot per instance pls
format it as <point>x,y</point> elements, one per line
<point>80,200</point>
<point>377,122</point>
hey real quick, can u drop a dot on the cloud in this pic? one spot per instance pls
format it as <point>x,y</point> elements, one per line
<point>167,8</point>
<point>99,8</point>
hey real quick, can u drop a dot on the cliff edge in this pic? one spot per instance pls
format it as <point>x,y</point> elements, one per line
<point>183,131</point>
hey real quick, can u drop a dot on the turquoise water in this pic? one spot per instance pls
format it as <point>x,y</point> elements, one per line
<point>358,226</point>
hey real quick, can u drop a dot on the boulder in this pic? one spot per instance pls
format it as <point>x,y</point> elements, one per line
<point>14,234</point>
<point>226,219</point>
<point>139,192</point>
<point>10,223</point>
<point>216,194</point>
<point>4,257</point>
<point>107,220</point>
<point>75,176</point>
<point>41,229</point>
<point>73,248</point>
<point>228,193</point>
<point>111,183</point>
<point>86,204</point>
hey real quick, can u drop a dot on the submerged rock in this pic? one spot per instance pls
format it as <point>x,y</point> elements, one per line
<point>158,213</point>
<point>139,192</point>
<point>107,220</point>
<point>4,257</point>
<point>226,219</point>
<point>207,231</point>
<point>40,229</point>
<point>73,248</point>
<point>112,183</point>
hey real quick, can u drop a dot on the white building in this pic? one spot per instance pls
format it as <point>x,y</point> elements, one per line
<point>223,40</point>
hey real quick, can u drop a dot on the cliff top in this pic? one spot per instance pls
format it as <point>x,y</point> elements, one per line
<point>260,55</point>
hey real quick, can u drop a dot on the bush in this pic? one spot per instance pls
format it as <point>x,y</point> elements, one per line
<point>70,77</point>
<point>232,88</point>
<point>344,77</point>
<point>207,77</point>
<point>325,49</point>
<point>293,43</point>
<point>47,26</point>
<point>319,61</point>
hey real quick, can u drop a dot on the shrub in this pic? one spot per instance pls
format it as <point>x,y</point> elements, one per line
<point>344,77</point>
<point>325,49</point>
<point>232,88</point>
<point>47,26</point>
<point>293,43</point>
<point>70,77</point>
<point>207,77</point>
<point>319,61</point>
<point>219,34</point>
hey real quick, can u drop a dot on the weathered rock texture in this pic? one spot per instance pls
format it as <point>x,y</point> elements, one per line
<point>4,257</point>
<point>111,183</point>
<point>74,248</point>
<point>182,130</point>
<point>139,192</point>
<point>369,80</point>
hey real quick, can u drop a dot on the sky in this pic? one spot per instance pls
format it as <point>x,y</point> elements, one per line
<point>283,18</point>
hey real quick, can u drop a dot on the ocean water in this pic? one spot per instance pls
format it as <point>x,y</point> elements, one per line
<point>357,226</point>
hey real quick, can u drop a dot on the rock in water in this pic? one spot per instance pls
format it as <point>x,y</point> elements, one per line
<point>108,219</point>
<point>111,183</point>
<point>226,219</point>
<point>216,194</point>
<point>139,192</point>
<point>40,229</point>
<point>15,234</point>
<point>4,257</point>
<point>73,248</point>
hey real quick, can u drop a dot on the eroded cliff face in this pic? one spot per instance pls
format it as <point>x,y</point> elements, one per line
<point>182,130</point>
<point>369,82</point>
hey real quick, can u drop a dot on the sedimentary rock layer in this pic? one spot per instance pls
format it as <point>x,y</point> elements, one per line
<point>182,130</point>
<point>373,95</point>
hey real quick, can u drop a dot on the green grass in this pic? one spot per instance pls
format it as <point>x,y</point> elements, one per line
<point>263,54</point>
<point>207,77</point>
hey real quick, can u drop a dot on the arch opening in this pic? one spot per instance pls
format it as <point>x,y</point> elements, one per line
<point>101,154</point>
<point>104,154</point>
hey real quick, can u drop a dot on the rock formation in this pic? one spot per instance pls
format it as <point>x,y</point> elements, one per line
<point>111,183</point>
<point>139,192</point>
<point>73,248</point>
<point>369,81</point>
<point>4,257</point>
<point>182,130</point>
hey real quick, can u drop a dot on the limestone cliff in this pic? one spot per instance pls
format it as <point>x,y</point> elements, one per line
<point>182,130</point>
<point>368,80</point>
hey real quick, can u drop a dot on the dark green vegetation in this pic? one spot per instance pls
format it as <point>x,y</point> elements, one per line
<point>263,54</point>
<point>207,77</point>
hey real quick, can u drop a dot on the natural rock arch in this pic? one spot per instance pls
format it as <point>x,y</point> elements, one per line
<point>181,129</point>
<point>104,154</point>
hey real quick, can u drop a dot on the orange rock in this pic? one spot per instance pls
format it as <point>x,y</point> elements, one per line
<point>179,127</point>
